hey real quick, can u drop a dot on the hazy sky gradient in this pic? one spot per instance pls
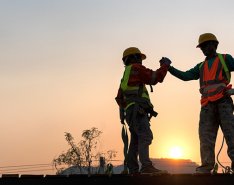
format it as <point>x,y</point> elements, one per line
<point>60,68</point>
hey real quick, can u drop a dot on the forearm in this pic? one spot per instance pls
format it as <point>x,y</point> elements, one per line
<point>151,77</point>
<point>161,73</point>
<point>184,75</point>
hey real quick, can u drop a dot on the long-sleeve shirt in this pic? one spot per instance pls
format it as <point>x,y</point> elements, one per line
<point>142,75</point>
<point>194,73</point>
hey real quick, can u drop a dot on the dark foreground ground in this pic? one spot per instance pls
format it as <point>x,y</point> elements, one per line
<point>177,179</point>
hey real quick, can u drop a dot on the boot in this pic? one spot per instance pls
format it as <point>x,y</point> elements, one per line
<point>152,170</point>
<point>204,169</point>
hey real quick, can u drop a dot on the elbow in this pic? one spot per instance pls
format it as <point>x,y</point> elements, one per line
<point>158,76</point>
<point>185,79</point>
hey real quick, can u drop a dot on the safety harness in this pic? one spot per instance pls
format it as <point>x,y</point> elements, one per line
<point>137,95</point>
<point>225,68</point>
<point>212,82</point>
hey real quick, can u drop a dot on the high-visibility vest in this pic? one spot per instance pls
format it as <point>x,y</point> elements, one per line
<point>212,81</point>
<point>131,93</point>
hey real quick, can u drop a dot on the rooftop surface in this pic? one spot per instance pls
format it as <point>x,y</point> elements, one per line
<point>174,179</point>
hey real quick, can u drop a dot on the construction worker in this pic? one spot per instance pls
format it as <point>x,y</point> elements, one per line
<point>216,103</point>
<point>135,106</point>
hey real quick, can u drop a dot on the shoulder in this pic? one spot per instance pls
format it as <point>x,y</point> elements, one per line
<point>138,67</point>
<point>228,57</point>
<point>199,65</point>
<point>229,61</point>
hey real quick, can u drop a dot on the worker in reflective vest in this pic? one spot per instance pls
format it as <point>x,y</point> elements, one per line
<point>216,103</point>
<point>137,109</point>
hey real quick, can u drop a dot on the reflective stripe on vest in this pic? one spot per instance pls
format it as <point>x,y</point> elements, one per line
<point>212,81</point>
<point>132,91</point>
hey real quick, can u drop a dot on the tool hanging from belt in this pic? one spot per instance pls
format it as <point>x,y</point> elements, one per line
<point>124,134</point>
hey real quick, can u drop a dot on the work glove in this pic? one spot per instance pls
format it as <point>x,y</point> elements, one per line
<point>165,60</point>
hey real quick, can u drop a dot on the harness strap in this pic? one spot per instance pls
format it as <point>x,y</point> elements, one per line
<point>214,86</point>
<point>224,67</point>
<point>218,90</point>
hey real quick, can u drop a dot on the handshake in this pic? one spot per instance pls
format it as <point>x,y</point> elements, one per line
<point>165,60</point>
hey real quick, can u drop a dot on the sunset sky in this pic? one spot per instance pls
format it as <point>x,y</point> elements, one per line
<point>60,68</point>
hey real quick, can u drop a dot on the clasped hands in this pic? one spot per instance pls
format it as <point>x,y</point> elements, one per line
<point>165,60</point>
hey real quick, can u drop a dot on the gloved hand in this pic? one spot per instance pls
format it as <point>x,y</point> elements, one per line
<point>165,60</point>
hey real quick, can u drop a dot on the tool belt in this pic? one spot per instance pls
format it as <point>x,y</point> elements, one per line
<point>143,106</point>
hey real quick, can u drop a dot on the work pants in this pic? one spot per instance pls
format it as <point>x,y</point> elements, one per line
<point>141,138</point>
<point>213,115</point>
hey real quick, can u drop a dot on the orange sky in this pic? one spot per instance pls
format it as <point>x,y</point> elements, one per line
<point>60,68</point>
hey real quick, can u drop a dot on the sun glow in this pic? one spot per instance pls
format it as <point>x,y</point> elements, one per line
<point>175,152</point>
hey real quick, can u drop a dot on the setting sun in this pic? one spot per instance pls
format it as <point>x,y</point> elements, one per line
<point>175,152</point>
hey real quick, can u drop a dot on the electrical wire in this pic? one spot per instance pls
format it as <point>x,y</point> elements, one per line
<point>26,168</point>
<point>49,164</point>
<point>17,171</point>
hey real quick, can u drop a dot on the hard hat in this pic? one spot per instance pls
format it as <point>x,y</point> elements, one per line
<point>132,51</point>
<point>206,37</point>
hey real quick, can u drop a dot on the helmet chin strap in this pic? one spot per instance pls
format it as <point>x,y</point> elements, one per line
<point>135,61</point>
<point>125,60</point>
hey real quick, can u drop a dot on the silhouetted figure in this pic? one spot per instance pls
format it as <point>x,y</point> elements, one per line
<point>216,103</point>
<point>136,107</point>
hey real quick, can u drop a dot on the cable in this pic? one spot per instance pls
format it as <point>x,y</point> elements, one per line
<point>227,169</point>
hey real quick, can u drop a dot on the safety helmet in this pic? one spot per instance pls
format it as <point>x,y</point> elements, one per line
<point>206,37</point>
<point>132,51</point>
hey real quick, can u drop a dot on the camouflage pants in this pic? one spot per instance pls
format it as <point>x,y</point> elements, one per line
<point>213,115</point>
<point>141,138</point>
